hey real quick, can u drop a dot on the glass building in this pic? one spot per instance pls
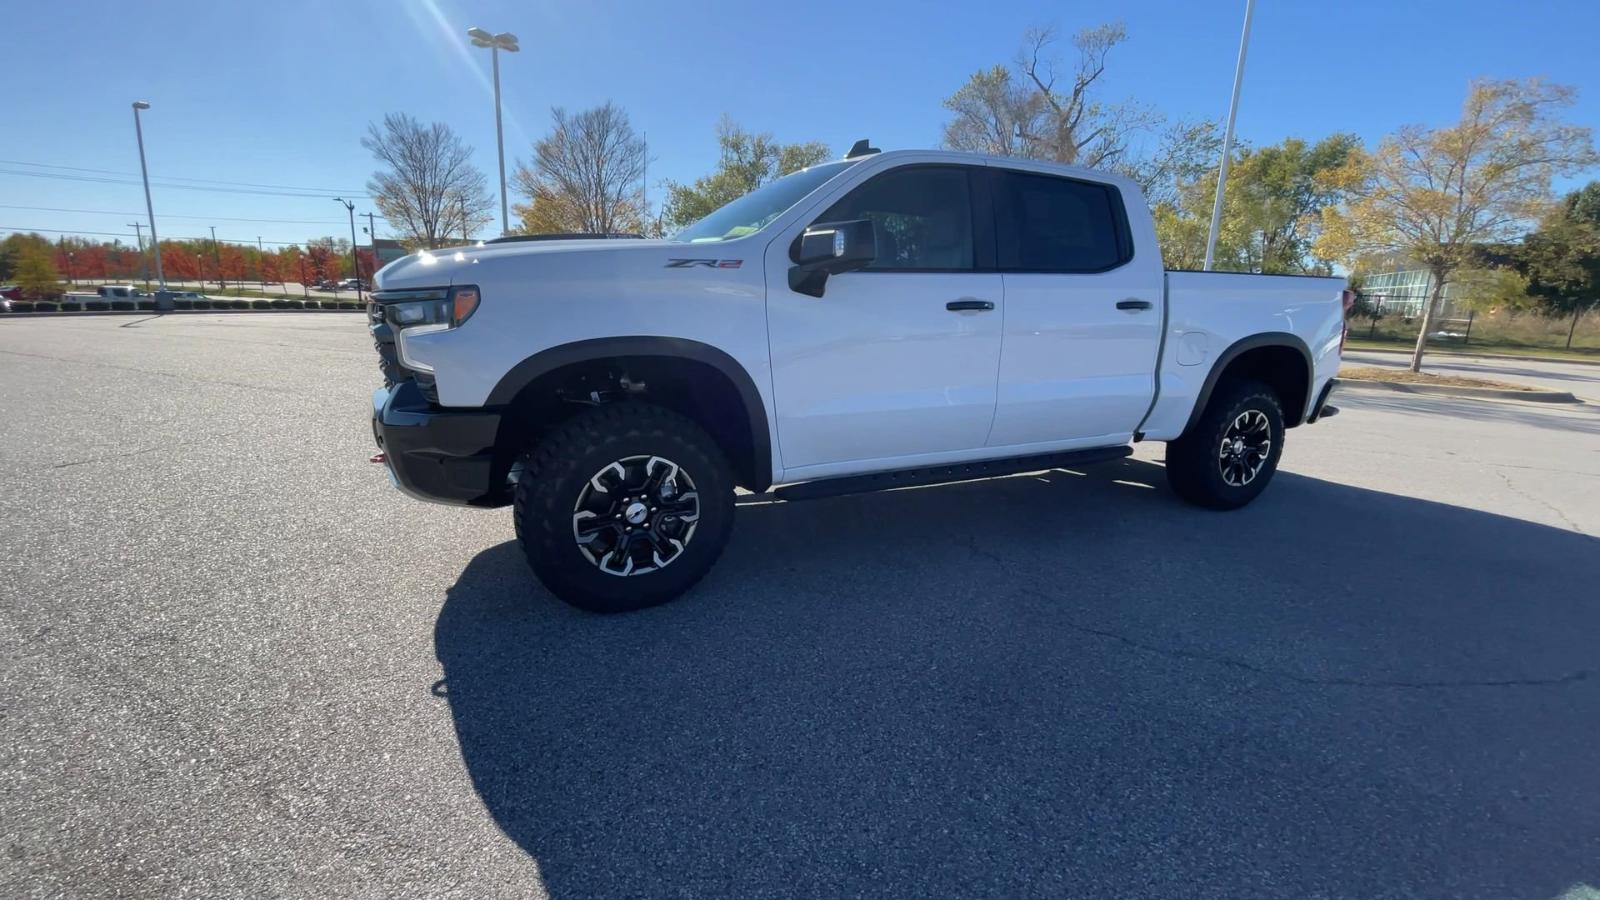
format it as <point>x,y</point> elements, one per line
<point>1404,292</point>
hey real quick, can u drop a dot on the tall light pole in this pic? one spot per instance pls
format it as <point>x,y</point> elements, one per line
<point>138,237</point>
<point>1227,138</point>
<point>355,261</point>
<point>149,207</point>
<point>506,41</point>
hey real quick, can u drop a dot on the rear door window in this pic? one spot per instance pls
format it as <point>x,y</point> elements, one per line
<point>1052,224</point>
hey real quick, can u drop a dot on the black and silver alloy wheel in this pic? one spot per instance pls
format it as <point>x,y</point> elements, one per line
<point>1246,446</point>
<point>636,515</point>
<point>1228,455</point>
<point>623,506</point>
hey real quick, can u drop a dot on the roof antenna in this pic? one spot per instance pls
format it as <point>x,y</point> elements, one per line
<point>861,148</point>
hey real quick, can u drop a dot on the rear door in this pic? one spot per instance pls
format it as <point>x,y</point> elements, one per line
<point>897,360</point>
<point>1083,312</point>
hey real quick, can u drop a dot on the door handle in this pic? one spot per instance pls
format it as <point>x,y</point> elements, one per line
<point>969,304</point>
<point>1132,303</point>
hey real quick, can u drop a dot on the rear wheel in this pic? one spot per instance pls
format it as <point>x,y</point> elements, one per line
<point>624,506</point>
<point>1227,459</point>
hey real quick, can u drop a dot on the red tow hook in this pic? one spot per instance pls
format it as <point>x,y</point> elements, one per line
<point>378,458</point>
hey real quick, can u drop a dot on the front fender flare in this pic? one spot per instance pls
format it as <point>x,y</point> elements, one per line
<point>526,372</point>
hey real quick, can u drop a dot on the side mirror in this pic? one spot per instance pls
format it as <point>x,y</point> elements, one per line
<point>830,248</point>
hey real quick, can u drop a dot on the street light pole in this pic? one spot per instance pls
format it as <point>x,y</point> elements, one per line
<point>506,41</point>
<point>355,261</point>
<point>149,207</point>
<point>1227,139</point>
<point>261,258</point>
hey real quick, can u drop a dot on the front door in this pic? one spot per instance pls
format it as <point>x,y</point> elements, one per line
<point>897,360</point>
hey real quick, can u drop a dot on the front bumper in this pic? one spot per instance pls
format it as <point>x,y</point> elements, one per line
<point>438,454</point>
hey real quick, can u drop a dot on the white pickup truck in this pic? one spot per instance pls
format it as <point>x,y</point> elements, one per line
<point>889,319</point>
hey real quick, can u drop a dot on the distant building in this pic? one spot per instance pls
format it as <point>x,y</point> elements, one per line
<point>1404,292</point>
<point>378,254</point>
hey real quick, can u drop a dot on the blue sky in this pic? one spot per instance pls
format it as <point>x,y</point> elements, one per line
<point>280,93</point>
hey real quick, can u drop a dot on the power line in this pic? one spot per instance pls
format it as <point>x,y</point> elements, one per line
<point>95,179</point>
<point>120,234</point>
<point>286,187</point>
<point>108,212</point>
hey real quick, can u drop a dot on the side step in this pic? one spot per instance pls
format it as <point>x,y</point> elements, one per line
<point>885,481</point>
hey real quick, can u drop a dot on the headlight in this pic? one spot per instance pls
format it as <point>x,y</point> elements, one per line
<point>449,311</point>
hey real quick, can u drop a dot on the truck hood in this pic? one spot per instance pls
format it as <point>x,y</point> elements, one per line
<point>432,268</point>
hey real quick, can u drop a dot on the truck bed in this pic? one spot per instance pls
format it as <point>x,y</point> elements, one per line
<point>1211,316</point>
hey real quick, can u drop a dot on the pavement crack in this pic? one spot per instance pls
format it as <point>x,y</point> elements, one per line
<point>1233,662</point>
<point>143,371</point>
<point>124,455</point>
<point>1560,514</point>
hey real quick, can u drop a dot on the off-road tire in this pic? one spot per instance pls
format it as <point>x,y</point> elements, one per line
<point>559,467</point>
<point>1194,461</point>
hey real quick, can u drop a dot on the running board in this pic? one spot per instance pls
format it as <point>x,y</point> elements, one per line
<point>887,481</point>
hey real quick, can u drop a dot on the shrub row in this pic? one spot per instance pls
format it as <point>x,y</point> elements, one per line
<point>150,305</point>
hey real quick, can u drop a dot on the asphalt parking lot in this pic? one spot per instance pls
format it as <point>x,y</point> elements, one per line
<point>237,663</point>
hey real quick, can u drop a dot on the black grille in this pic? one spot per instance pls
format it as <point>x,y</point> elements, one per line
<point>383,342</point>
<point>383,339</point>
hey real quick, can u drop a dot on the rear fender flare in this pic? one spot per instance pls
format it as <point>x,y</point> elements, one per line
<point>1237,349</point>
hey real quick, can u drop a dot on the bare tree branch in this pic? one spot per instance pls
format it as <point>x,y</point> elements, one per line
<point>429,189</point>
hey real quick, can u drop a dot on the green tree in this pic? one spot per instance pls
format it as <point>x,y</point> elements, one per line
<point>1435,195</point>
<point>1271,214</point>
<point>1562,258</point>
<point>11,252</point>
<point>36,272</point>
<point>746,162</point>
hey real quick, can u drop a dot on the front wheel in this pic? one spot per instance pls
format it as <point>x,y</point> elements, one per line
<point>1228,457</point>
<point>624,506</point>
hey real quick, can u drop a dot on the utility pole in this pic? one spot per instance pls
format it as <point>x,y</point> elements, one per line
<point>216,254</point>
<point>1227,139</point>
<point>138,237</point>
<point>372,240</point>
<point>355,262</point>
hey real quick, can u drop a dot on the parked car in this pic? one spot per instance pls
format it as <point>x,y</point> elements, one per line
<point>10,292</point>
<point>121,292</point>
<point>885,320</point>
<point>352,284</point>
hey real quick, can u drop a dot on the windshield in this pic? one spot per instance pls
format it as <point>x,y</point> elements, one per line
<point>751,213</point>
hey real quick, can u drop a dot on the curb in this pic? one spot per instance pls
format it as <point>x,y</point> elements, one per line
<point>1445,390</point>
<point>1456,354</point>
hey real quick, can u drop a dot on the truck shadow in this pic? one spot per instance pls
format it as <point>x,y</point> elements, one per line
<point>1059,684</point>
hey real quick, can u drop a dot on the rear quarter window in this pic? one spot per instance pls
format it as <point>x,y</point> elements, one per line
<point>1051,224</point>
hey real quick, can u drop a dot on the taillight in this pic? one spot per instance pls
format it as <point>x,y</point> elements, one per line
<point>1349,300</point>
